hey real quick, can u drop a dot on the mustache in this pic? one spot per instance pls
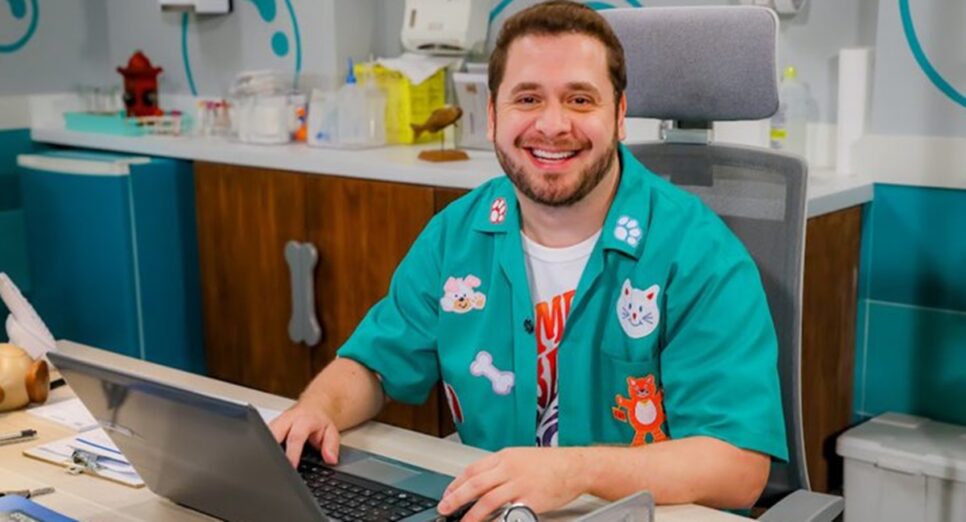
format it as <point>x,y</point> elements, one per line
<point>532,143</point>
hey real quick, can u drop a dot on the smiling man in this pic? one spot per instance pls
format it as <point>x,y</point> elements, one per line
<point>599,329</point>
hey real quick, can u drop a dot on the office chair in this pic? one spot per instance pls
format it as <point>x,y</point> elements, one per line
<point>691,66</point>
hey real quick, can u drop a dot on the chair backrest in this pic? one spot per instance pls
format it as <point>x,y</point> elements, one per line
<point>696,65</point>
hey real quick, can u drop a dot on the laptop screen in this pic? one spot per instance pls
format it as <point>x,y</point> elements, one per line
<point>204,452</point>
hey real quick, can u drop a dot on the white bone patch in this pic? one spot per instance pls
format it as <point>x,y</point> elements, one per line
<point>483,366</point>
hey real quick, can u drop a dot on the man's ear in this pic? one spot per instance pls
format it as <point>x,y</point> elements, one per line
<point>621,113</point>
<point>490,119</point>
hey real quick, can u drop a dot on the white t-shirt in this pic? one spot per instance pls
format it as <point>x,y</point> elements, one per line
<point>553,275</point>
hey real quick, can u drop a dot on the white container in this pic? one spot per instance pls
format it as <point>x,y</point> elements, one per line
<point>472,95</point>
<point>264,119</point>
<point>901,468</point>
<point>323,122</point>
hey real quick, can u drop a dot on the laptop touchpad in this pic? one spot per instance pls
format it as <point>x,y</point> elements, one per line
<point>379,471</point>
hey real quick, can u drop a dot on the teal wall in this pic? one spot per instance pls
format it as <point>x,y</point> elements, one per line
<point>13,257</point>
<point>911,339</point>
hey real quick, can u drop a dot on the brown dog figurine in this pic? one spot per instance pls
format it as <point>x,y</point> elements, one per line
<point>22,379</point>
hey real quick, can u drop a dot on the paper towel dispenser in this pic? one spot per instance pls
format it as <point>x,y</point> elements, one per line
<point>198,6</point>
<point>451,27</point>
<point>782,7</point>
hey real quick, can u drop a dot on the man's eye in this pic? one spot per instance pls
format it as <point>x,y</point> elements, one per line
<point>527,100</point>
<point>581,101</point>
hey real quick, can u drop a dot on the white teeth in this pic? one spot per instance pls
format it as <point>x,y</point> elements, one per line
<point>546,154</point>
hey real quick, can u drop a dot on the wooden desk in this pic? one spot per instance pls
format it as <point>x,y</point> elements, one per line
<point>90,498</point>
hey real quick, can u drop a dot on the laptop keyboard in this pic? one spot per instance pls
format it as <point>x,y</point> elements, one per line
<point>350,498</point>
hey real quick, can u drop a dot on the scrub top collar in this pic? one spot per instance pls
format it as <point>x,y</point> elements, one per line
<point>625,226</point>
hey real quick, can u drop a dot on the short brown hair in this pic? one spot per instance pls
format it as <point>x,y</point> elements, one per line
<point>553,18</point>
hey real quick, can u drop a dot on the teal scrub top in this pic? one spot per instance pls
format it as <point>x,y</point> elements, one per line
<point>669,333</point>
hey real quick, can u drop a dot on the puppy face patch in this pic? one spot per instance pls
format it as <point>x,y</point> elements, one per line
<point>637,310</point>
<point>460,296</point>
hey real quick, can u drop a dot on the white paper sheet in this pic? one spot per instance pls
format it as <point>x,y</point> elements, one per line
<point>70,413</point>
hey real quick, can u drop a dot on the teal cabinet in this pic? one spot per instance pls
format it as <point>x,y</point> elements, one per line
<point>113,254</point>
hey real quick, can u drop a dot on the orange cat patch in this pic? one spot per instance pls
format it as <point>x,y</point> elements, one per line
<point>643,409</point>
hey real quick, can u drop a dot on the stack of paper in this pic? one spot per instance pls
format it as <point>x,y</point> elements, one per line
<point>113,465</point>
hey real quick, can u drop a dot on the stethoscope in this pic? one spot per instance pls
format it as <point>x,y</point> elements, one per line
<point>512,513</point>
<point>517,513</point>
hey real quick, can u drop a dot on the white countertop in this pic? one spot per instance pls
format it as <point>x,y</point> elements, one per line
<point>827,191</point>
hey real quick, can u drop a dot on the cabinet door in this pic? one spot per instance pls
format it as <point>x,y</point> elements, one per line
<point>362,230</point>
<point>245,217</point>
<point>828,339</point>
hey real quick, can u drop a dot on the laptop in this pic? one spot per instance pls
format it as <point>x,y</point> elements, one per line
<point>217,456</point>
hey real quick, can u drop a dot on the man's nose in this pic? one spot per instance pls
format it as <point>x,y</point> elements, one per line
<point>553,120</point>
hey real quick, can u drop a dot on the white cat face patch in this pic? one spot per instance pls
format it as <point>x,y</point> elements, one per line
<point>637,310</point>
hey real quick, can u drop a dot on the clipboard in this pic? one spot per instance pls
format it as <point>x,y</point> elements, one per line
<point>112,465</point>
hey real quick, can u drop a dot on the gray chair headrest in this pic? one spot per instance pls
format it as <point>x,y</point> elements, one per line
<point>699,64</point>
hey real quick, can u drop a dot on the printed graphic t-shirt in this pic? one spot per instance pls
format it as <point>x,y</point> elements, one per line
<point>553,274</point>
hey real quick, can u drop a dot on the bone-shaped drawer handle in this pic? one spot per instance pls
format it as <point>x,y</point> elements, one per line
<point>303,325</point>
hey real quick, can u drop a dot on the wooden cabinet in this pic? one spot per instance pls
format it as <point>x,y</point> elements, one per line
<point>245,217</point>
<point>828,339</point>
<point>361,230</point>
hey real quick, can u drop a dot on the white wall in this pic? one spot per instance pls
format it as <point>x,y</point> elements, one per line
<point>80,42</point>
<point>905,101</point>
<point>219,47</point>
<point>68,48</point>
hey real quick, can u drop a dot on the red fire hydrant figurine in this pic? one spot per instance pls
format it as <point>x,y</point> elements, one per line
<point>141,86</point>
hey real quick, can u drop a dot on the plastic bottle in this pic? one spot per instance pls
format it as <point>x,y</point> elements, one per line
<point>788,125</point>
<point>353,118</point>
<point>375,109</point>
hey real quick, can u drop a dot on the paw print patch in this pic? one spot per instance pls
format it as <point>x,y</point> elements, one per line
<point>498,211</point>
<point>628,230</point>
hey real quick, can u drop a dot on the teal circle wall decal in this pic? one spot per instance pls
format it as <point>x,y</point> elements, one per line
<point>184,55</point>
<point>920,55</point>
<point>19,11</point>
<point>279,42</point>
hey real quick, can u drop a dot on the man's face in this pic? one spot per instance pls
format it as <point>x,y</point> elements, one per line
<point>555,122</point>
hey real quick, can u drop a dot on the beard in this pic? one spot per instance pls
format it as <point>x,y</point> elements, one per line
<point>553,193</point>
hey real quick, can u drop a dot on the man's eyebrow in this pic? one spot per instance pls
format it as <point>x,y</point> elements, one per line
<point>571,86</point>
<point>583,86</point>
<point>525,86</point>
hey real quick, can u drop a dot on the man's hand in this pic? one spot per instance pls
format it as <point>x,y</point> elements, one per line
<point>307,421</point>
<point>542,478</point>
